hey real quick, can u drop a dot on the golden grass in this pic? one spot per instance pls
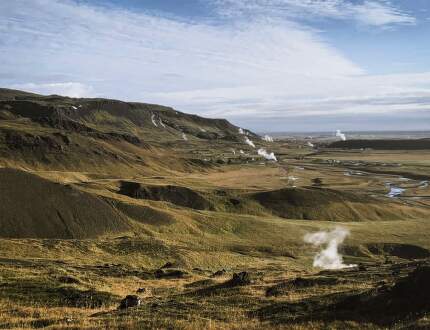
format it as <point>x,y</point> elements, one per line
<point>210,241</point>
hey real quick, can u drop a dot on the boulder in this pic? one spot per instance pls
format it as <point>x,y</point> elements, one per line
<point>169,273</point>
<point>68,280</point>
<point>130,301</point>
<point>239,279</point>
<point>167,265</point>
<point>219,273</point>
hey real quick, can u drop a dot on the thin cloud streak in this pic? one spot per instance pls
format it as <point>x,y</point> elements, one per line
<point>372,13</point>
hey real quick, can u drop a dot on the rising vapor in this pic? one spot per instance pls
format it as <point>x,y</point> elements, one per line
<point>267,156</point>
<point>341,135</point>
<point>328,257</point>
<point>249,142</point>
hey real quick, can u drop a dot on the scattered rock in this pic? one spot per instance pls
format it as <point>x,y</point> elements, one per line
<point>317,182</point>
<point>167,265</point>
<point>68,280</point>
<point>239,279</point>
<point>170,273</point>
<point>199,270</point>
<point>130,301</point>
<point>159,273</point>
<point>219,273</point>
<point>362,267</point>
<point>141,290</point>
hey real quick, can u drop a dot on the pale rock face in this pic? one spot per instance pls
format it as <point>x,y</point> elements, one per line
<point>153,120</point>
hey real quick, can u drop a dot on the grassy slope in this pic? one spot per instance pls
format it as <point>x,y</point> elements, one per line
<point>136,236</point>
<point>34,207</point>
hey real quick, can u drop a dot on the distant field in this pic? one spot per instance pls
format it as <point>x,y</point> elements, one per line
<point>421,157</point>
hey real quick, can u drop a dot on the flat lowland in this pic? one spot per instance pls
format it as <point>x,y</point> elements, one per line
<point>102,199</point>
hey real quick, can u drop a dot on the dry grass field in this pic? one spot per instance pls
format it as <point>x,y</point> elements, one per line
<point>101,204</point>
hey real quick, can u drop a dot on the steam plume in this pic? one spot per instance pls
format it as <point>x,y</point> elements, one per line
<point>184,137</point>
<point>328,257</point>
<point>241,131</point>
<point>249,142</point>
<point>310,144</point>
<point>341,135</point>
<point>267,138</point>
<point>271,156</point>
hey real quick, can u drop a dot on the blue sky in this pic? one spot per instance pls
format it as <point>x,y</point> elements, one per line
<point>269,65</point>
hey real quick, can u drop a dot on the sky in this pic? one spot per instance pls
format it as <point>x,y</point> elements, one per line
<point>267,65</point>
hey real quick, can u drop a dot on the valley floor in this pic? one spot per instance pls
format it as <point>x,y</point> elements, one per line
<point>180,259</point>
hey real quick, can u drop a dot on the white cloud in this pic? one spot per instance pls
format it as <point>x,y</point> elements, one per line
<point>135,55</point>
<point>368,12</point>
<point>312,96</point>
<point>71,89</point>
<point>259,68</point>
<point>380,14</point>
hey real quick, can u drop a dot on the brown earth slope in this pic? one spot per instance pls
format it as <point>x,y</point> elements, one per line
<point>313,203</point>
<point>32,207</point>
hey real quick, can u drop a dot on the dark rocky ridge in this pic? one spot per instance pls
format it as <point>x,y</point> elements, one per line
<point>80,115</point>
<point>181,196</point>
